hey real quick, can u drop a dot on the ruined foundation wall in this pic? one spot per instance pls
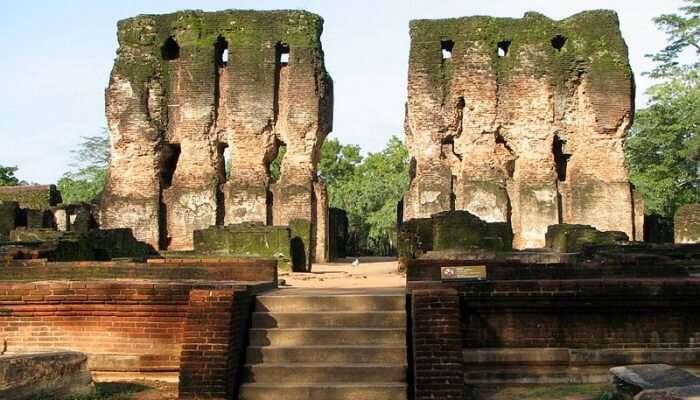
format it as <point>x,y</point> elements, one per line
<point>189,87</point>
<point>521,120</point>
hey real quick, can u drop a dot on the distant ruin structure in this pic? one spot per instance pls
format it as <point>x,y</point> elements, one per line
<point>522,121</point>
<point>191,87</point>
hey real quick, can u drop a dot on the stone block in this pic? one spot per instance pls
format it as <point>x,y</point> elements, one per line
<point>630,380</point>
<point>58,374</point>
<point>246,240</point>
<point>687,224</point>
<point>458,230</point>
<point>676,393</point>
<point>566,238</point>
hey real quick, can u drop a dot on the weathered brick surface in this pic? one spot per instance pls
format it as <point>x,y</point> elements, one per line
<point>581,313</point>
<point>241,270</point>
<point>174,105</point>
<point>534,136</point>
<point>437,347</point>
<point>213,343</point>
<point>134,326</point>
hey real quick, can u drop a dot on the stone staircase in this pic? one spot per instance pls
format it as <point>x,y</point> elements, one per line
<point>327,346</point>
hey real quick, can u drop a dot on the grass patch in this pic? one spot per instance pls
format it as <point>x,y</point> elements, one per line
<point>544,392</point>
<point>106,391</point>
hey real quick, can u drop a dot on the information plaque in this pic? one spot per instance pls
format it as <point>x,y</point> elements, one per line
<point>463,272</point>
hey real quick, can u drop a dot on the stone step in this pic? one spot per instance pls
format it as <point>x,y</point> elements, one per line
<point>327,336</point>
<point>342,319</point>
<point>324,391</point>
<point>319,303</point>
<point>326,354</point>
<point>320,373</point>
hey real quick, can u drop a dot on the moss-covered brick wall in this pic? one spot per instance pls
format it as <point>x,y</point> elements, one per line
<point>246,240</point>
<point>8,217</point>
<point>521,120</point>
<point>96,244</point>
<point>239,270</point>
<point>461,230</point>
<point>38,197</point>
<point>567,238</point>
<point>415,237</point>
<point>175,105</point>
<point>300,231</point>
<point>592,38</point>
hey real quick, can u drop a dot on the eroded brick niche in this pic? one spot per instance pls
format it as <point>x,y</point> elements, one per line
<point>192,91</point>
<point>521,120</point>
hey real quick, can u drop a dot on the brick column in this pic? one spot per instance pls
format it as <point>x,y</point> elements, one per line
<point>437,345</point>
<point>212,341</point>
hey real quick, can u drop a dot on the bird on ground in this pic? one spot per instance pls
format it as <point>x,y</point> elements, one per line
<point>356,265</point>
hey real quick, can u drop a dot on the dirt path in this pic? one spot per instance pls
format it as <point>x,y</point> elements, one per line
<point>372,272</point>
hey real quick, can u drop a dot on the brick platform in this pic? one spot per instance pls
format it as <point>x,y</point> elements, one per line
<point>135,326</point>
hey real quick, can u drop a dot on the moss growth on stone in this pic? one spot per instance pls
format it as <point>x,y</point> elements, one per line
<point>301,244</point>
<point>571,238</point>
<point>593,44</point>
<point>37,197</point>
<point>687,224</point>
<point>252,34</point>
<point>461,230</point>
<point>95,245</point>
<point>246,240</point>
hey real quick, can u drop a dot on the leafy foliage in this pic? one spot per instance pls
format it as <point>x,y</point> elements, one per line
<point>85,181</point>
<point>662,151</point>
<point>368,190</point>
<point>8,178</point>
<point>276,164</point>
<point>683,32</point>
<point>664,145</point>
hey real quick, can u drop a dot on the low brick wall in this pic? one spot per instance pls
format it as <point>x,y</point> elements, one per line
<point>565,330</point>
<point>242,269</point>
<point>135,326</point>
<point>426,272</point>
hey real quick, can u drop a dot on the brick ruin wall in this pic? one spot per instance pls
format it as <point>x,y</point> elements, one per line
<point>186,87</point>
<point>194,330</point>
<point>522,120</point>
<point>550,331</point>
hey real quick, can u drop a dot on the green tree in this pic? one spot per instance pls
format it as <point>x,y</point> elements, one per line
<point>337,165</point>
<point>664,144</point>
<point>7,176</point>
<point>85,181</point>
<point>683,33</point>
<point>370,195</point>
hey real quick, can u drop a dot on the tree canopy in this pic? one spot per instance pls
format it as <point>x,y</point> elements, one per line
<point>85,180</point>
<point>8,178</point>
<point>663,149</point>
<point>368,190</point>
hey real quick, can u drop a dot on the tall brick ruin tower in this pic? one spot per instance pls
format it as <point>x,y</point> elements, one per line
<point>522,120</point>
<point>186,87</point>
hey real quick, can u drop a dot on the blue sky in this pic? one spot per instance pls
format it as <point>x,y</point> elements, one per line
<point>57,55</point>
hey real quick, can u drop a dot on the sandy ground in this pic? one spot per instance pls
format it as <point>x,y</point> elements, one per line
<point>373,272</point>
